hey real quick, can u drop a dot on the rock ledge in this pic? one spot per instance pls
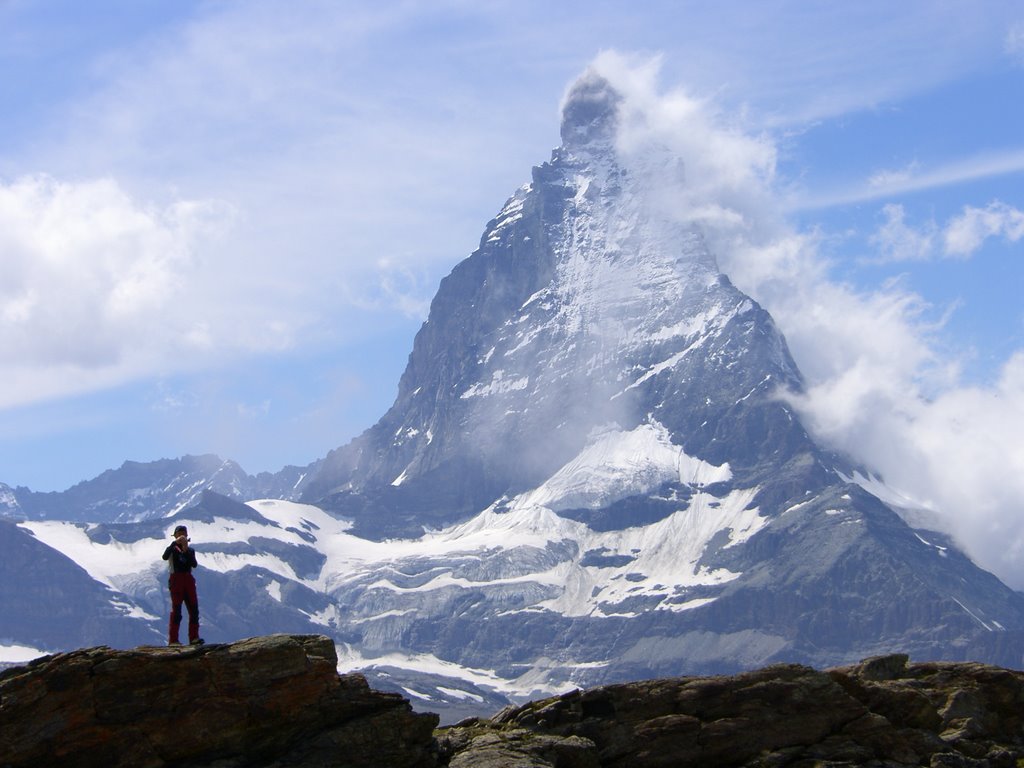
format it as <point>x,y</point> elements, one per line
<point>881,712</point>
<point>275,700</point>
<point>279,702</point>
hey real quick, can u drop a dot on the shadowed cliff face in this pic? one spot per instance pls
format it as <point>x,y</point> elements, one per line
<point>278,701</point>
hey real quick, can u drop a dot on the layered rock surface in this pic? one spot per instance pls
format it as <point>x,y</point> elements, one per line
<point>274,700</point>
<point>278,701</point>
<point>882,712</point>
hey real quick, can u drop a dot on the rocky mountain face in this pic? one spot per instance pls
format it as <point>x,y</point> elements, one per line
<point>51,602</point>
<point>277,701</point>
<point>594,421</point>
<point>591,474</point>
<point>582,310</point>
<point>106,582</point>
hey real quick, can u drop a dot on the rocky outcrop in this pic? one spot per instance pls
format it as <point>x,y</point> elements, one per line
<point>278,702</point>
<point>274,700</point>
<point>882,712</point>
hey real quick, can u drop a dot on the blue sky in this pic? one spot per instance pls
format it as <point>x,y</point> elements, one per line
<point>221,223</point>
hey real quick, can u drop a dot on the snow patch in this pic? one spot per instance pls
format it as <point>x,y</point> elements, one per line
<point>133,611</point>
<point>526,686</point>
<point>274,590</point>
<point>973,615</point>
<point>416,694</point>
<point>941,549</point>
<point>617,464</point>
<point>464,695</point>
<point>106,563</point>
<point>498,385</point>
<point>19,654</point>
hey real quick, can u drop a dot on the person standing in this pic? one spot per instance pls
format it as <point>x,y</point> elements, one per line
<point>181,559</point>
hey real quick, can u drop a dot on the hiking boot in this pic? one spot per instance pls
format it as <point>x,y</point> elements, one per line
<point>197,641</point>
<point>174,642</point>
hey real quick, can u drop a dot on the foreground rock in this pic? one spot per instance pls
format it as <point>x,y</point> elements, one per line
<point>274,700</point>
<point>879,713</point>
<point>278,701</point>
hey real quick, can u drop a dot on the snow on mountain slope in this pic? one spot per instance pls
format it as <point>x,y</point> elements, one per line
<point>126,564</point>
<point>114,564</point>
<point>618,464</point>
<point>524,687</point>
<point>918,514</point>
<point>139,491</point>
<point>521,546</point>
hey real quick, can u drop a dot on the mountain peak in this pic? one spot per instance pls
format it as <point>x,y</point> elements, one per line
<point>590,111</point>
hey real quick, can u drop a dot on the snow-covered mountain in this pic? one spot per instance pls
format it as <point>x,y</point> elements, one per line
<point>582,311</point>
<point>150,490</point>
<point>591,473</point>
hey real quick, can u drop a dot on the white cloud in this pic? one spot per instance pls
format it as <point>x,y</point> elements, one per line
<point>398,287</point>
<point>961,236</point>
<point>958,453</point>
<point>887,179</point>
<point>701,168</point>
<point>896,241</point>
<point>913,178</point>
<point>100,289</point>
<point>884,390</point>
<point>1014,44</point>
<point>879,385</point>
<point>965,234</point>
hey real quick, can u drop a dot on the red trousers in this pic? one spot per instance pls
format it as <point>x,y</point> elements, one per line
<point>183,590</point>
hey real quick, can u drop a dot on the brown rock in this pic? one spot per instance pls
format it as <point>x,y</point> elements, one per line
<point>881,712</point>
<point>522,748</point>
<point>268,700</point>
<point>278,702</point>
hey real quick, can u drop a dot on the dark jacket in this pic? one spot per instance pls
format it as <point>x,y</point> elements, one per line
<point>180,562</point>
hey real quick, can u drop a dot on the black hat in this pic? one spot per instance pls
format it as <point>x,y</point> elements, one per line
<point>180,529</point>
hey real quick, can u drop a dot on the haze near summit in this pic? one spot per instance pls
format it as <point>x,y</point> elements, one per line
<point>220,227</point>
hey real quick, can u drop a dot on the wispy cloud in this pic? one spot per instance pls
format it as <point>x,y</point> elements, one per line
<point>896,241</point>
<point>884,184</point>
<point>961,236</point>
<point>1014,45</point>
